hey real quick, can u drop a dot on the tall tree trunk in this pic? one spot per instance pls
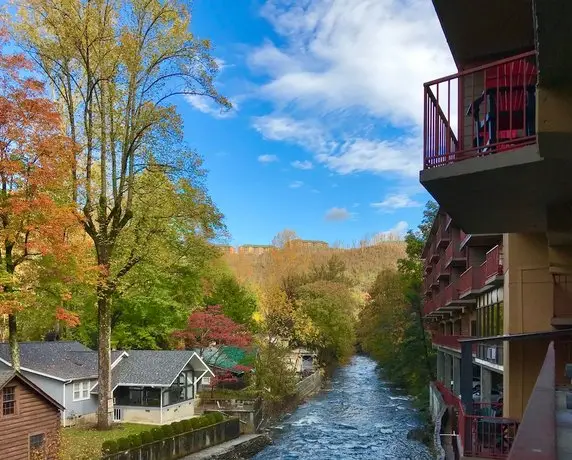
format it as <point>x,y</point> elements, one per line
<point>105,404</point>
<point>13,341</point>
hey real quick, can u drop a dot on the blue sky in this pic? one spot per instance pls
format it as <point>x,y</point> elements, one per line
<point>325,137</point>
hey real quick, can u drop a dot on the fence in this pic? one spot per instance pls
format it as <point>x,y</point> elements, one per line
<point>309,385</point>
<point>182,444</point>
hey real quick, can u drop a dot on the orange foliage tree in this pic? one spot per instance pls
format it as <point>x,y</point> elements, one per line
<point>36,216</point>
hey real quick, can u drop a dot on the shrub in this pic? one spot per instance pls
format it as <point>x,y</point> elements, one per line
<point>196,422</point>
<point>123,444</point>
<point>167,431</point>
<point>134,440</point>
<point>146,437</point>
<point>218,417</point>
<point>157,434</point>
<point>211,418</point>
<point>177,427</point>
<point>187,425</point>
<point>109,447</point>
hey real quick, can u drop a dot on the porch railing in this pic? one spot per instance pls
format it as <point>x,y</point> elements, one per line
<point>480,111</point>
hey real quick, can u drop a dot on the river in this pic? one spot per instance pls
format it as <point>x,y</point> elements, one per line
<point>356,416</point>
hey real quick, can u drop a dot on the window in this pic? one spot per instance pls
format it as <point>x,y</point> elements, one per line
<point>81,390</point>
<point>206,380</point>
<point>36,442</point>
<point>9,401</point>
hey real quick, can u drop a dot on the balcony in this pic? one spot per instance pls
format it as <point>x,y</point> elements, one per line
<point>493,268</point>
<point>442,237</point>
<point>471,282</point>
<point>480,138</point>
<point>443,272</point>
<point>484,433</point>
<point>453,255</point>
<point>429,307</point>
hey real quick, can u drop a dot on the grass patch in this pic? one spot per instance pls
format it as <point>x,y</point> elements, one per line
<point>84,443</point>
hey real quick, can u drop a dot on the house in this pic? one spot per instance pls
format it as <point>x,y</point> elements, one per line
<point>302,361</point>
<point>149,386</point>
<point>29,421</point>
<point>227,364</point>
<point>156,386</point>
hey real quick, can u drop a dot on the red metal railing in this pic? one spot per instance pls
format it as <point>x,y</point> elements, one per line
<point>470,280</point>
<point>428,306</point>
<point>480,111</point>
<point>488,436</point>
<point>493,263</point>
<point>451,293</point>
<point>442,268</point>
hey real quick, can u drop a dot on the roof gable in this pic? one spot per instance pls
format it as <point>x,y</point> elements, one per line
<point>8,376</point>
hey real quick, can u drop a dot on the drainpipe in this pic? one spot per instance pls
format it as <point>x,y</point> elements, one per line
<point>161,407</point>
<point>64,403</point>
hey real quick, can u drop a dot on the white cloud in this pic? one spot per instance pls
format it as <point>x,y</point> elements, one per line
<point>296,184</point>
<point>344,66</point>
<point>396,201</point>
<point>396,232</point>
<point>337,214</point>
<point>267,158</point>
<point>206,105</point>
<point>302,164</point>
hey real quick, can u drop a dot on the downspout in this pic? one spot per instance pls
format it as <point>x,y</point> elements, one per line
<point>64,402</point>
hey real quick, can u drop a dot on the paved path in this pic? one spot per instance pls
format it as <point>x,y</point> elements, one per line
<point>221,448</point>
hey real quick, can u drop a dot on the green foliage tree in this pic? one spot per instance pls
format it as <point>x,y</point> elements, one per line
<point>116,68</point>
<point>237,302</point>
<point>324,320</point>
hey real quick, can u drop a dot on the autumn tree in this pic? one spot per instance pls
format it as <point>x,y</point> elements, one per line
<point>211,327</point>
<point>115,68</point>
<point>36,220</point>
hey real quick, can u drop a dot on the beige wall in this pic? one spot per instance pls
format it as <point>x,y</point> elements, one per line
<point>528,307</point>
<point>152,415</point>
<point>178,412</point>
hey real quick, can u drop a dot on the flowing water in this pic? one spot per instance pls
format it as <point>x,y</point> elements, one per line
<point>356,416</point>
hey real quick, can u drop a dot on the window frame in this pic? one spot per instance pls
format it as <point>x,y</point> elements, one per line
<point>42,447</point>
<point>15,400</point>
<point>84,386</point>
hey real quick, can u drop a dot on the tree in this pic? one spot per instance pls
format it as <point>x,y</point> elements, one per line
<point>115,68</point>
<point>35,218</point>
<point>282,239</point>
<point>237,302</point>
<point>324,320</point>
<point>210,326</point>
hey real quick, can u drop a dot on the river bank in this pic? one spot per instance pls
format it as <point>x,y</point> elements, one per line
<point>355,416</point>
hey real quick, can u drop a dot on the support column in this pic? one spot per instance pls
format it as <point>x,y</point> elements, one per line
<point>486,385</point>
<point>440,366</point>
<point>466,377</point>
<point>456,375</point>
<point>448,374</point>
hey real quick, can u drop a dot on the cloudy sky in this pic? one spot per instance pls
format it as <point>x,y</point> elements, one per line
<point>325,134</point>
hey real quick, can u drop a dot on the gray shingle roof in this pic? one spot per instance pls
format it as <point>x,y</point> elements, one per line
<point>64,360</point>
<point>150,367</point>
<point>5,377</point>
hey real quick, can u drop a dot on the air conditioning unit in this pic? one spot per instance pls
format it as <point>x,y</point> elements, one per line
<point>491,353</point>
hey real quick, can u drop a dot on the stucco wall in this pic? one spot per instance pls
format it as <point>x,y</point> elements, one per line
<point>528,307</point>
<point>152,415</point>
<point>178,412</point>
